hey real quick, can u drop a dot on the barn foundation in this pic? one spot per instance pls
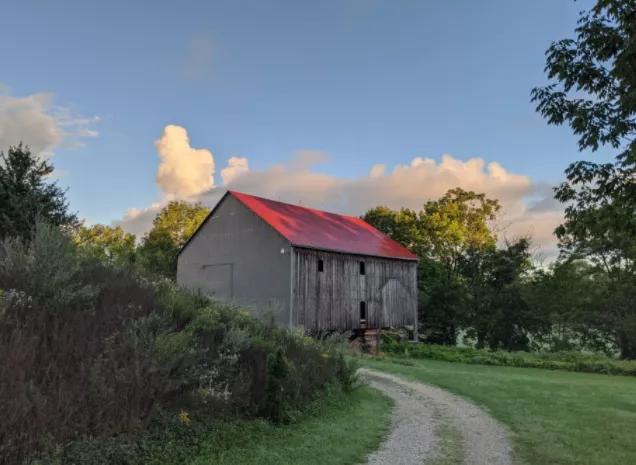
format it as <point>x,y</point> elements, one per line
<point>366,340</point>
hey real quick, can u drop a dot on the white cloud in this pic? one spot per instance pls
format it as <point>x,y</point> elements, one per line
<point>236,166</point>
<point>139,221</point>
<point>527,208</point>
<point>184,171</point>
<point>377,171</point>
<point>38,123</point>
<point>408,185</point>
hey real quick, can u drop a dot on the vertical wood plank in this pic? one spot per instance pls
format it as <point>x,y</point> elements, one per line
<point>330,300</point>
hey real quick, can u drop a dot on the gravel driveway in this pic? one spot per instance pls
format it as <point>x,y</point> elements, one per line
<point>433,426</point>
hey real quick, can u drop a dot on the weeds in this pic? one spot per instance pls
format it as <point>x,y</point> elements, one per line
<point>570,361</point>
<point>94,357</point>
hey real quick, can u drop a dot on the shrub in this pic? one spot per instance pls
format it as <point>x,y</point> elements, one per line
<point>96,359</point>
<point>571,360</point>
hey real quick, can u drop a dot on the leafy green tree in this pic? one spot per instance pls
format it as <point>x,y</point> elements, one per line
<point>108,244</point>
<point>457,224</point>
<point>402,225</point>
<point>442,234</point>
<point>567,298</point>
<point>26,193</point>
<point>172,227</point>
<point>505,321</point>
<point>593,89</point>
<point>594,82</point>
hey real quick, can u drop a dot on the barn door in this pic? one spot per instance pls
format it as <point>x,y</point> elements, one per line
<point>394,295</point>
<point>217,281</point>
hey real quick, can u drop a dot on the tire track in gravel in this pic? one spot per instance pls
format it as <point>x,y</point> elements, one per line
<point>422,412</point>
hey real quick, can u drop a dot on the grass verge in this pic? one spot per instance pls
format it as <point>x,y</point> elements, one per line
<point>557,417</point>
<point>343,430</point>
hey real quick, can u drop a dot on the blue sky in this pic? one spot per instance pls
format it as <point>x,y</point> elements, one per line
<point>365,81</point>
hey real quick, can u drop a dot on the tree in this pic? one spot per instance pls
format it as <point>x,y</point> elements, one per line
<point>593,89</point>
<point>457,224</point>
<point>172,227</point>
<point>402,225</point>
<point>442,234</point>
<point>108,244</point>
<point>26,194</point>
<point>566,297</point>
<point>594,79</point>
<point>503,320</point>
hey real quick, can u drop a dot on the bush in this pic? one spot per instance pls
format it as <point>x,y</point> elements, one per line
<point>96,359</point>
<point>571,361</point>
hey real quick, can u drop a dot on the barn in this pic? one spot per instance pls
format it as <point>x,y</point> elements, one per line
<point>312,269</point>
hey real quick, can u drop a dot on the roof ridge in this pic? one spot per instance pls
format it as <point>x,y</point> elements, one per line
<point>232,192</point>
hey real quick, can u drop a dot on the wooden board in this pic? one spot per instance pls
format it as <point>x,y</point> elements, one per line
<point>330,300</point>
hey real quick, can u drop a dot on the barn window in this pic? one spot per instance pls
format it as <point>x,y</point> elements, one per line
<point>363,312</point>
<point>321,266</point>
<point>362,268</point>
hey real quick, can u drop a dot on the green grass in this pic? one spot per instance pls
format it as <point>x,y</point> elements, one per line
<point>556,417</point>
<point>343,432</point>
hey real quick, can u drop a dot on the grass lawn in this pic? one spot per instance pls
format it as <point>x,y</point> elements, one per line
<point>557,417</point>
<point>343,432</point>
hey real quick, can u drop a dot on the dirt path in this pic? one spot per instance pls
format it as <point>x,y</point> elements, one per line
<point>433,426</point>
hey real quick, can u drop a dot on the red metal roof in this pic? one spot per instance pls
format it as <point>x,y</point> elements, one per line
<point>306,227</point>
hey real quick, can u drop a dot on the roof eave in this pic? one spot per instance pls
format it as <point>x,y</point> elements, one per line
<point>324,249</point>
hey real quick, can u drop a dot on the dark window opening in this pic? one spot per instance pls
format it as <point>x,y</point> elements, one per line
<point>363,312</point>
<point>362,268</point>
<point>321,266</point>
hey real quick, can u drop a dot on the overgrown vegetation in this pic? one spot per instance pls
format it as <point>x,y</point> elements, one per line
<point>562,360</point>
<point>90,350</point>
<point>332,429</point>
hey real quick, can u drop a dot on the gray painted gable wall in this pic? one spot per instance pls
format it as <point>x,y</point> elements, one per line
<point>236,257</point>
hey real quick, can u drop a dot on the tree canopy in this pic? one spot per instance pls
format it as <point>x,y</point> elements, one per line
<point>593,89</point>
<point>27,193</point>
<point>466,283</point>
<point>171,228</point>
<point>108,244</point>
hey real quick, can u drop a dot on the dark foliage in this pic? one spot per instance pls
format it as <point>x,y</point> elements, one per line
<point>500,317</point>
<point>90,351</point>
<point>26,194</point>
<point>593,89</point>
<point>569,361</point>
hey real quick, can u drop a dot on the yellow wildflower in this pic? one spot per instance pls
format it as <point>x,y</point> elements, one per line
<point>184,418</point>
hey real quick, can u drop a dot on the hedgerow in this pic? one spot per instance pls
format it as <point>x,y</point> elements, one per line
<point>565,360</point>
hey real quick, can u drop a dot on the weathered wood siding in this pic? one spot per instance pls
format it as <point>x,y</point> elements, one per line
<point>330,300</point>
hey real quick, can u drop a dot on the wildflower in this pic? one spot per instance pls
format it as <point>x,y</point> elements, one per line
<point>184,418</point>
